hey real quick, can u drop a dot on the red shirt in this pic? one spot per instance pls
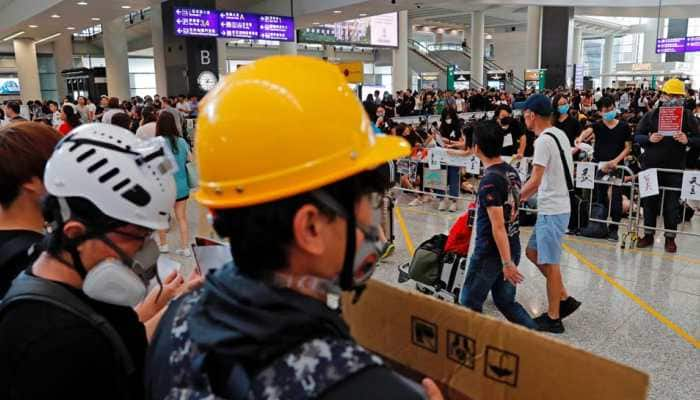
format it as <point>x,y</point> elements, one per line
<point>64,128</point>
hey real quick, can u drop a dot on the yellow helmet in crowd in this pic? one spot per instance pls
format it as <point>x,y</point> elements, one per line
<point>674,86</point>
<point>282,126</point>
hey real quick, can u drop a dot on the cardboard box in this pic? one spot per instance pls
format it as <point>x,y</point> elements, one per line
<point>477,357</point>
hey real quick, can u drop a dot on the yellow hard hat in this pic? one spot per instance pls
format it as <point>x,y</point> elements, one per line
<point>674,86</point>
<point>282,126</point>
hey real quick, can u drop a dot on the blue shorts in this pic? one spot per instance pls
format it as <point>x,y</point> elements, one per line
<point>547,237</point>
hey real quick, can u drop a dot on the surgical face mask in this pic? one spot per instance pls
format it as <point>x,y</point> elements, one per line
<point>380,115</point>
<point>563,109</point>
<point>123,281</point>
<point>610,115</point>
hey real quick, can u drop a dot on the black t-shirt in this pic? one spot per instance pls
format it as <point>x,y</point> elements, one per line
<point>493,192</point>
<point>511,136</point>
<point>571,127</point>
<point>609,143</point>
<point>22,242</point>
<point>49,353</point>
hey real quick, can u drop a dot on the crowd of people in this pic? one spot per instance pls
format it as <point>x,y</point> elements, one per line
<point>611,127</point>
<point>81,203</point>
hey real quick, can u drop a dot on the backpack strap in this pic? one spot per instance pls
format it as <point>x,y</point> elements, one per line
<point>310,370</point>
<point>31,288</point>
<point>17,245</point>
<point>564,164</point>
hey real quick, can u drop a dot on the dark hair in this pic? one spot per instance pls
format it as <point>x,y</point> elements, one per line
<point>121,119</point>
<point>14,106</point>
<point>113,102</point>
<point>72,117</point>
<point>501,107</point>
<point>148,114</point>
<point>167,128</point>
<point>258,250</point>
<point>489,141</point>
<point>24,149</point>
<point>83,211</point>
<point>605,102</point>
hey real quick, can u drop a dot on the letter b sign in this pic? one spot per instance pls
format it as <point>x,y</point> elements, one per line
<point>205,57</point>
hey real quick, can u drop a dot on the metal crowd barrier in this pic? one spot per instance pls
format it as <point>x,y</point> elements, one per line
<point>663,190</point>
<point>416,119</point>
<point>588,178</point>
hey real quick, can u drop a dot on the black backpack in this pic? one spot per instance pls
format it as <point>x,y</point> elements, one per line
<point>597,230</point>
<point>31,288</point>
<point>17,254</point>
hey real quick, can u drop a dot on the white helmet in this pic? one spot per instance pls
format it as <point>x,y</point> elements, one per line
<point>128,179</point>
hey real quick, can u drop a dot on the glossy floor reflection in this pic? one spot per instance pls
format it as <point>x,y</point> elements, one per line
<point>609,323</point>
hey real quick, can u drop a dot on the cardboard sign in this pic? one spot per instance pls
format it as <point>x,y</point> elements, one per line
<point>670,120</point>
<point>435,179</point>
<point>456,161</point>
<point>585,175</point>
<point>473,165</point>
<point>477,357</point>
<point>691,185</point>
<point>434,158</point>
<point>648,183</point>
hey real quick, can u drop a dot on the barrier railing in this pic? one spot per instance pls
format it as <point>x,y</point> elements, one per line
<point>416,119</point>
<point>426,174</point>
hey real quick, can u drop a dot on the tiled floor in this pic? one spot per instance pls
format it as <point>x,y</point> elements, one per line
<point>609,323</point>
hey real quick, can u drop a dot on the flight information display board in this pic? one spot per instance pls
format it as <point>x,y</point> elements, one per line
<point>678,45</point>
<point>232,25</point>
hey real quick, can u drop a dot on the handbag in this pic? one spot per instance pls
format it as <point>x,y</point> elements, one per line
<point>192,175</point>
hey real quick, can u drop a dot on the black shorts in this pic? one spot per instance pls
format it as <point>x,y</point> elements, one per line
<point>182,198</point>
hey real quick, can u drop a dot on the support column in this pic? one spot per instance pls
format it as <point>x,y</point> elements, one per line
<point>606,81</point>
<point>63,59</point>
<point>649,54</point>
<point>221,52</point>
<point>116,58</point>
<point>158,48</point>
<point>578,46</point>
<point>534,19</point>
<point>555,44</point>
<point>477,43</point>
<point>289,48</point>
<point>677,28</point>
<point>27,69</point>
<point>399,69</point>
<point>329,52</point>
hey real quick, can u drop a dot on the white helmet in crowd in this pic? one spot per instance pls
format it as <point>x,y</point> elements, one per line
<point>128,179</point>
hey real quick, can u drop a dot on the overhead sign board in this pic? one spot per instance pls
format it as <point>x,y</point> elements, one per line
<point>678,45</point>
<point>232,25</point>
<point>378,30</point>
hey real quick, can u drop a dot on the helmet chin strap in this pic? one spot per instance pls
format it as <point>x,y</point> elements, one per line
<point>348,271</point>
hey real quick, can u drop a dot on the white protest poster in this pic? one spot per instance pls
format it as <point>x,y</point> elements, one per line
<point>585,175</point>
<point>648,183</point>
<point>691,185</point>
<point>434,158</point>
<point>473,165</point>
<point>507,159</point>
<point>456,161</point>
<point>508,140</point>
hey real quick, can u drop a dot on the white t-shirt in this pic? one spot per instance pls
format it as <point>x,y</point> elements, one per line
<point>109,113</point>
<point>553,194</point>
<point>597,96</point>
<point>146,131</point>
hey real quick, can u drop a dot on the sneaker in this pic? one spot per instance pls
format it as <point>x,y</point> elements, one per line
<point>164,249</point>
<point>613,236</point>
<point>442,206</point>
<point>546,324</point>
<point>415,202</point>
<point>568,306</point>
<point>183,252</point>
<point>645,241</point>
<point>670,245</point>
<point>453,206</point>
<point>387,251</point>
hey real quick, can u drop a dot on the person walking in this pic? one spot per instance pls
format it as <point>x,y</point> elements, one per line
<point>552,168</point>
